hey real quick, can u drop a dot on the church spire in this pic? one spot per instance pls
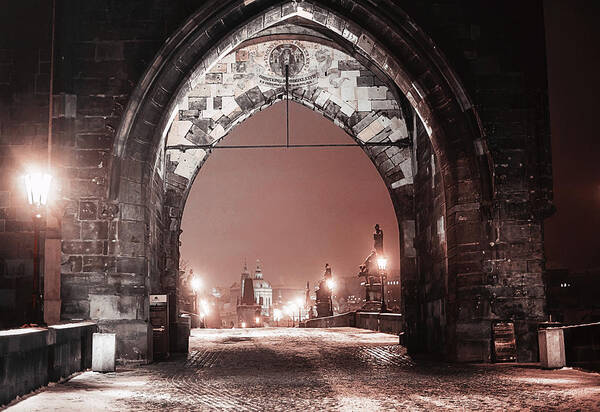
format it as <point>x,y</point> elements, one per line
<point>258,271</point>
<point>245,272</point>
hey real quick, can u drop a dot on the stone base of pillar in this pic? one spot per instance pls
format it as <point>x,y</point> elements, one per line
<point>52,311</point>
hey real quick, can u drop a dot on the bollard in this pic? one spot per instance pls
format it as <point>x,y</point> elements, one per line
<point>104,350</point>
<point>183,334</point>
<point>552,348</point>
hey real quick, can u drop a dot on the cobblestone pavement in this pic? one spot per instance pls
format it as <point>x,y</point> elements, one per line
<point>281,369</point>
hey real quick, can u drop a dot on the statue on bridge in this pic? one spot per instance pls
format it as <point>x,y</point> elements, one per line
<point>374,276</point>
<point>324,292</point>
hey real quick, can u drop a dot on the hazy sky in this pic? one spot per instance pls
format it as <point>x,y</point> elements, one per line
<point>294,209</point>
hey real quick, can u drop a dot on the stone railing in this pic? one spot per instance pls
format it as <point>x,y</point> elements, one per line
<point>582,345</point>
<point>381,322</point>
<point>347,319</point>
<point>32,357</point>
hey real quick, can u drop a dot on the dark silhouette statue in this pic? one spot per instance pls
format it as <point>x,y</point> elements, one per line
<point>370,272</point>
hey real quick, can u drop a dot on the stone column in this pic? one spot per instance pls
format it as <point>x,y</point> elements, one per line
<point>52,260</point>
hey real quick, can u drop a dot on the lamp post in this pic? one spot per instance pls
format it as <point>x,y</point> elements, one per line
<point>290,311</point>
<point>277,316</point>
<point>381,264</point>
<point>331,287</point>
<point>196,284</point>
<point>37,186</point>
<point>205,310</point>
<point>299,303</point>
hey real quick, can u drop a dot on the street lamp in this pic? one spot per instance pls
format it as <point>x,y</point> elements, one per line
<point>205,310</point>
<point>382,264</point>
<point>299,304</point>
<point>331,285</point>
<point>37,186</point>
<point>289,310</point>
<point>277,315</point>
<point>196,284</point>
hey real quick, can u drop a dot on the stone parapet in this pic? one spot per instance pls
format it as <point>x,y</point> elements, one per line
<point>380,322</point>
<point>32,357</point>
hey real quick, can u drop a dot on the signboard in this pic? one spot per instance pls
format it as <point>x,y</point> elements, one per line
<point>158,299</point>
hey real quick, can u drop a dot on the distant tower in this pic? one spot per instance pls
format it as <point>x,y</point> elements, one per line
<point>247,286</point>
<point>263,293</point>
<point>248,312</point>
<point>258,271</point>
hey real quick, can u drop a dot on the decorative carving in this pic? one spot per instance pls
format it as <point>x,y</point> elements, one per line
<point>286,54</point>
<point>108,211</point>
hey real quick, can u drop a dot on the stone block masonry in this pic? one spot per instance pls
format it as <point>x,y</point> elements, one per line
<point>470,195</point>
<point>325,82</point>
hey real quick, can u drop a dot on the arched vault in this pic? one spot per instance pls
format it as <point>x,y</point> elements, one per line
<point>322,78</point>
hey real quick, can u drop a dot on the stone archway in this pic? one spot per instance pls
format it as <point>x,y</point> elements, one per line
<point>457,156</point>
<point>389,44</point>
<point>331,83</point>
<point>328,81</point>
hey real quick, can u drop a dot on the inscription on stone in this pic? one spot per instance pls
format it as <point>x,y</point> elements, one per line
<point>296,58</point>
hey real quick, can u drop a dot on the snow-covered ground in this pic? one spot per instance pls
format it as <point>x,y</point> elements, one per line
<point>283,369</point>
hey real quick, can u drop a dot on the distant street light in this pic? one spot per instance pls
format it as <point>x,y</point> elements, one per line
<point>382,264</point>
<point>205,311</point>
<point>196,284</point>
<point>205,306</point>
<point>299,303</point>
<point>277,315</point>
<point>331,284</point>
<point>290,310</point>
<point>37,186</point>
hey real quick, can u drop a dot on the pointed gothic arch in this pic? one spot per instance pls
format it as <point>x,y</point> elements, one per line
<point>390,44</point>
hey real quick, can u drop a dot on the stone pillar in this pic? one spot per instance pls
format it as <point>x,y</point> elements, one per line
<point>52,260</point>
